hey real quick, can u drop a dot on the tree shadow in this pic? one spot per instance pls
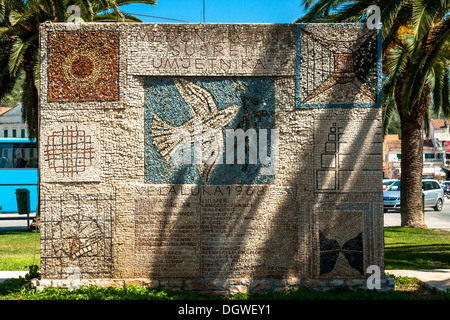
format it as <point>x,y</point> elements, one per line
<point>273,236</point>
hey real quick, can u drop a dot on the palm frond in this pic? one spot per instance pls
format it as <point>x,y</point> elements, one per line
<point>7,81</point>
<point>445,92</point>
<point>124,2</point>
<point>15,17</point>
<point>113,17</point>
<point>17,53</point>
<point>2,9</point>
<point>395,62</point>
<point>388,111</point>
<point>390,30</point>
<point>87,7</point>
<point>351,12</point>
<point>320,10</point>
<point>59,9</point>
<point>426,58</point>
<point>426,121</point>
<point>423,15</point>
<point>391,12</point>
<point>36,69</point>
<point>439,72</point>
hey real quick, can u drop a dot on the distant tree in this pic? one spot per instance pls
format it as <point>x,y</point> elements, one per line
<point>395,128</point>
<point>15,96</point>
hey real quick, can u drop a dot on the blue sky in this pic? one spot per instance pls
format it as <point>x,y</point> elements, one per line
<point>220,11</point>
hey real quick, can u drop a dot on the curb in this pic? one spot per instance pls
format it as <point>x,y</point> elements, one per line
<point>438,279</point>
<point>4,275</point>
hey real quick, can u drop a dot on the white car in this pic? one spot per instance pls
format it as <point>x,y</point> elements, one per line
<point>434,195</point>
<point>387,183</point>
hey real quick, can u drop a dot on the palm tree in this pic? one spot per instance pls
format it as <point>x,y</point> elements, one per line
<point>19,41</point>
<point>416,52</point>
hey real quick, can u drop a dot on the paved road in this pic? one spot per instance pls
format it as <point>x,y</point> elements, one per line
<point>433,219</point>
<point>15,224</point>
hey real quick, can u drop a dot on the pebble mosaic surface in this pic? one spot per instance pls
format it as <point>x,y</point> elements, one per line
<point>83,66</point>
<point>119,207</point>
<point>249,102</point>
<point>336,68</point>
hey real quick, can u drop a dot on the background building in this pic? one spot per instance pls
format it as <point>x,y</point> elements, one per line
<point>11,125</point>
<point>436,159</point>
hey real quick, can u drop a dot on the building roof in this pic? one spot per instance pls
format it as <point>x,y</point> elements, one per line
<point>394,144</point>
<point>397,143</point>
<point>12,115</point>
<point>4,109</point>
<point>439,123</point>
<point>391,137</point>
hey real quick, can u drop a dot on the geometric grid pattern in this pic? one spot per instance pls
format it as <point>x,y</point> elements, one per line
<point>69,151</point>
<point>347,154</point>
<point>77,231</point>
<point>327,176</point>
<point>83,66</point>
<point>335,68</point>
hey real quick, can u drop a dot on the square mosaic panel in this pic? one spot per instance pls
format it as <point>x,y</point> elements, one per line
<point>347,156</point>
<point>77,232</point>
<point>218,103</point>
<point>341,244</point>
<point>337,69</point>
<point>83,66</point>
<point>70,152</point>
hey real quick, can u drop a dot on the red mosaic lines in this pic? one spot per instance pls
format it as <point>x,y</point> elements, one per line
<point>69,151</point>
<point>83,66</point>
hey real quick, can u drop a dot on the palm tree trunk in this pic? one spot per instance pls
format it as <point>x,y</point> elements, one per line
<point>411,211</point>
<point>411,200</point>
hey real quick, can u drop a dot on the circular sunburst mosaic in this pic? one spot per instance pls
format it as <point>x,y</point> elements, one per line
<point>83,66</point>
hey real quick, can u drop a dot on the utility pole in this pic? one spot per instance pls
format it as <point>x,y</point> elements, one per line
<point>204,19</point>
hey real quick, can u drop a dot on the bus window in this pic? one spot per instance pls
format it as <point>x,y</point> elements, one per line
<point>6,155</point>
<point>18,156</point>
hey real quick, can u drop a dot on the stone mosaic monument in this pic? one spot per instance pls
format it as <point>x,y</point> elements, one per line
<point>117,208</point>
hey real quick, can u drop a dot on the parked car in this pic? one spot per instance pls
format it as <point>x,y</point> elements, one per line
<point>387,183</point>
<point>445,185</point>
<point>434,195</point>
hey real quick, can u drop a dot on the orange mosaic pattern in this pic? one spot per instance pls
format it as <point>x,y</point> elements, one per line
<point>83,66</point>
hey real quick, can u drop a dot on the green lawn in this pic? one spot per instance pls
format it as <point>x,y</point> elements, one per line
<point>410,248</point>
<point>405,248</point>
<point>17,250</point>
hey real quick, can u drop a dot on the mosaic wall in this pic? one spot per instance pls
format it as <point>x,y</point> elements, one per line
<point>83,66</point>
<point>337,71</point>
<point>237,103</point>
<point>71,153</point>
<point>117,204</point>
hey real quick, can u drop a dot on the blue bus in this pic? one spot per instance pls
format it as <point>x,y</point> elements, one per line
<point>18,170</point>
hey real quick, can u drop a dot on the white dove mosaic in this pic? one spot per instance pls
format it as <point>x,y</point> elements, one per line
<point>199,106</point>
